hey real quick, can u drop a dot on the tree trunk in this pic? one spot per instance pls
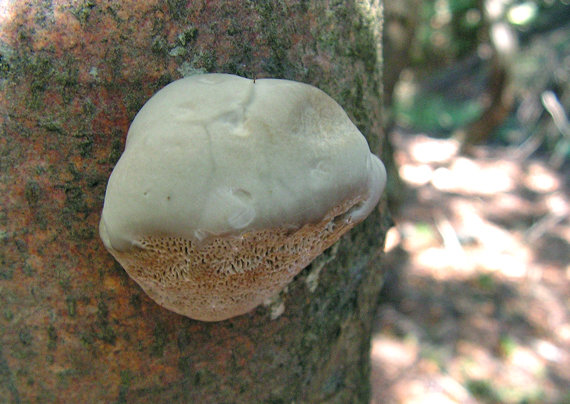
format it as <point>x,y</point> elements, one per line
<point>74,327</point>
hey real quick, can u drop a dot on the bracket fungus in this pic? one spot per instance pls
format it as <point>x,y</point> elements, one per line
<point>229,187</point>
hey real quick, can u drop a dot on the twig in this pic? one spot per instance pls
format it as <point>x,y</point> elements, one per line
<point>556,110</point>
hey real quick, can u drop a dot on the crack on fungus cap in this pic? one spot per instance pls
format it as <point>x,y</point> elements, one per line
<point>228,188</point>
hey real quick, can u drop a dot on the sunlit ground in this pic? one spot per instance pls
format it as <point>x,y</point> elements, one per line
<point>477,304</point>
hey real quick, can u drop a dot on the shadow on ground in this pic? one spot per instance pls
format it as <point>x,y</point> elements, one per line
<point>476,306</point>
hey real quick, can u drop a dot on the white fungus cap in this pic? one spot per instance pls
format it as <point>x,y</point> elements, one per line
<point>218,158</point>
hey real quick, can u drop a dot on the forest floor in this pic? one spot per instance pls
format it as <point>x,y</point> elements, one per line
<point>476,306</point>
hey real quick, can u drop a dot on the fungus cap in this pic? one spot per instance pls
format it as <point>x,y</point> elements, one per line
<point>228,187</point>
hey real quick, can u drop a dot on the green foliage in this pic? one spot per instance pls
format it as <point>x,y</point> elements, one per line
<point>434,113</point>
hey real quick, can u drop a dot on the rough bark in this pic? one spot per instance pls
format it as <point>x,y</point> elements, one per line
<point>73,326</point>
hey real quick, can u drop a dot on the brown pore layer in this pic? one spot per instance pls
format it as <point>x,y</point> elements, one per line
<point>223,277</point>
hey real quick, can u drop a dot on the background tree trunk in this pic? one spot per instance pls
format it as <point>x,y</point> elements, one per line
<point>73,326</point>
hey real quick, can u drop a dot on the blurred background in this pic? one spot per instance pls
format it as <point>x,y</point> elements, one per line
<point>476,306</point>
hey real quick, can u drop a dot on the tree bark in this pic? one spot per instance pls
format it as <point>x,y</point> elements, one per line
<point>73,326</point>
